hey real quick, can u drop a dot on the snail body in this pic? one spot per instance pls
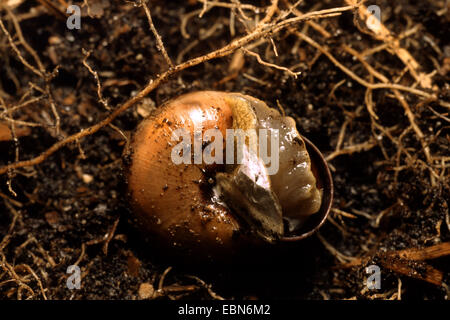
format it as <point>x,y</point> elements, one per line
<point>251,193</point>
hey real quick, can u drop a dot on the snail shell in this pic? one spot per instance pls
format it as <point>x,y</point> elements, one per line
<point>216,207</point>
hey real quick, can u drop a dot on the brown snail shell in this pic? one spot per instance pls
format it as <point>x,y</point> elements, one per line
<point>213,208</point>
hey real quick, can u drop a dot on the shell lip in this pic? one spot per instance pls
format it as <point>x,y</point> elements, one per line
<point>324,180</point>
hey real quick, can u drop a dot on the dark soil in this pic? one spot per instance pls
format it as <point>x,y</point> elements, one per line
<point>58,209</point>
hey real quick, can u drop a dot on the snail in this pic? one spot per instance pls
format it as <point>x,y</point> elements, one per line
<point>209,172</point>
